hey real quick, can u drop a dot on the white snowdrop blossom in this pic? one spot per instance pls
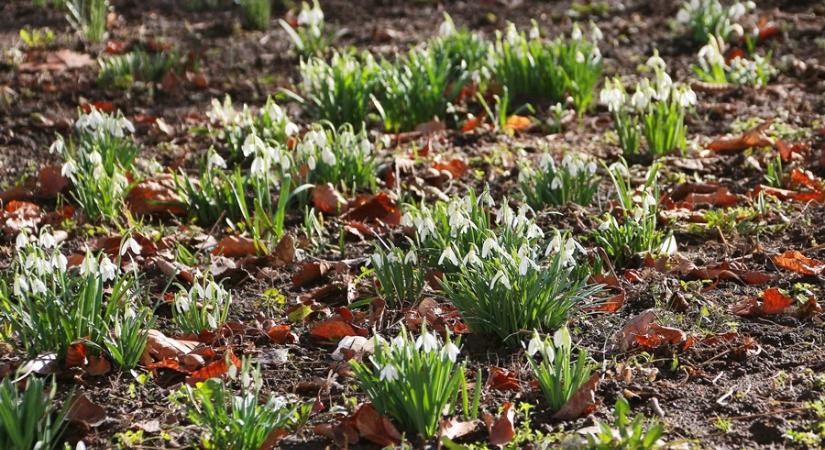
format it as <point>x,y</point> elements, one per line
<point>451,351</point>
<point>130,245</point>
<point>215,160</point>
<point>449,255</point>
<point>47,240</point>
<point>669,246</point>
<point>500,277</point>
<point>389,373</point>
<point>108,270</point>
<point>21,241</point>
<point>69,169</point>
<point>427,342</point>
<point>535,345</point>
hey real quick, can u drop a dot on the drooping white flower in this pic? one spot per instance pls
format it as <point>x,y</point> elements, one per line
<point>389,373</point>
<point>69,169</point>
<point>21,286</point>
<point>488,245</point>
<point>107,269</point>
<point>130,245</point>
<point>427,342</point>
<point>38,287</point>
<point>447,27</point>
<point>451,351</point>
<point>47,240</point>
<point>500,277</point>
<point>535,345</point>
<point>59,262</point>
<point>669,246</point>
<point>411,257</point>
<point>471,258</point>
<point>88,266</point>
<point>22,240</point>
<point>216,160</point>
<point>57,146</point>
<point>449,255</point>
<point>576,34</point>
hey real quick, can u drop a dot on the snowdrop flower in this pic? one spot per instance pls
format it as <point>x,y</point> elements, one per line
<point>736,10</point>
<point>88,266</point>
<point>449,255</point>
<point>556,183</point>
<point>534,231</point>
<point>69,169</point>
<point>576,34</point>
<point>95,158</point>
<point>107,269</point>
<point>389,373</point>
<point>561,338</point>
<point>488,245</point>
<point>291,129</point>
<point>183,303</point>
<point>595,32</point>
<point>569,250</point>
<point>313,17</point>
<point>427,342</point>
<point>608,222</point>
<point>535,345</point>
<point>59,262</point>
<point>534,33</point>
<point>130,244</point>
<point>619,169</point>
<point>21,286</point>
<point>447,26</point>
<point>57,146</point>
<point>215,160</point>
<point>663,85</point>
<point>554,245</point>
<point>251,144</point>
<point>451,351</point>
<point>613,95</point>
<point>38,287</point>
<point>685,97</point>
<point>524,265</point>
<point>669,246</point>
<point>377,261</point>
<point>502,278</point>
<point>397,342</point>
<point>655,62</point>
<point>21,241</point>
<point>644,92</point>
<point>411,257</point>
<point>328,157</point>
<point>471,258</point>
<point>579,57</point>
<point>512,35</point>
<point>47,240</point>
<point>683,16</point>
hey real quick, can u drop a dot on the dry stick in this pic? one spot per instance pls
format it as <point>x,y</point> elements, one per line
<point>769,413</point>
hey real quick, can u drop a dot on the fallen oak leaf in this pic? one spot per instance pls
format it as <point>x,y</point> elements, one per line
<point>582,402</point>
<point>774,302</point>
<point>86,413</point>
<point>795,261</point>
<point>50,181</point>
<point>503,380</point>
<point>156,196</point>
<point>327,199</point>
<point>235,246</point>
<point>374,427</point>
<point>501,430</point>
<point>455,428</point>
<point>333,329</point>
<point>755,137</point>
<point>215,369</point>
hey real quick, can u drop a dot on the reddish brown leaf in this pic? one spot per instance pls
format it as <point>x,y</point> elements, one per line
<point>235,246</point>
<point>98,365</point>
<point>638,325</point>
<point>215,369</point>
<point>281,334</point>
<point>327,199</point>
<point>76,355</point>
<point>797,262</point>
<point>755,137</point>
<point>501,429</point>
<point>610,305</point>
<point>582,402</point>
<point>503,380</point>
<point>455,428</point>
<point>156,196</point>
<point>51,181</point>
<point>58,61</point>
<point>518,123</point>
<point>374,427</point>
<point>456,167</point>
<point>379,208</point>
<point>332,329</point>
<point>774,302</point>
<point>806,179</point>
<point>86,413</point>
<point>159,347</point>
